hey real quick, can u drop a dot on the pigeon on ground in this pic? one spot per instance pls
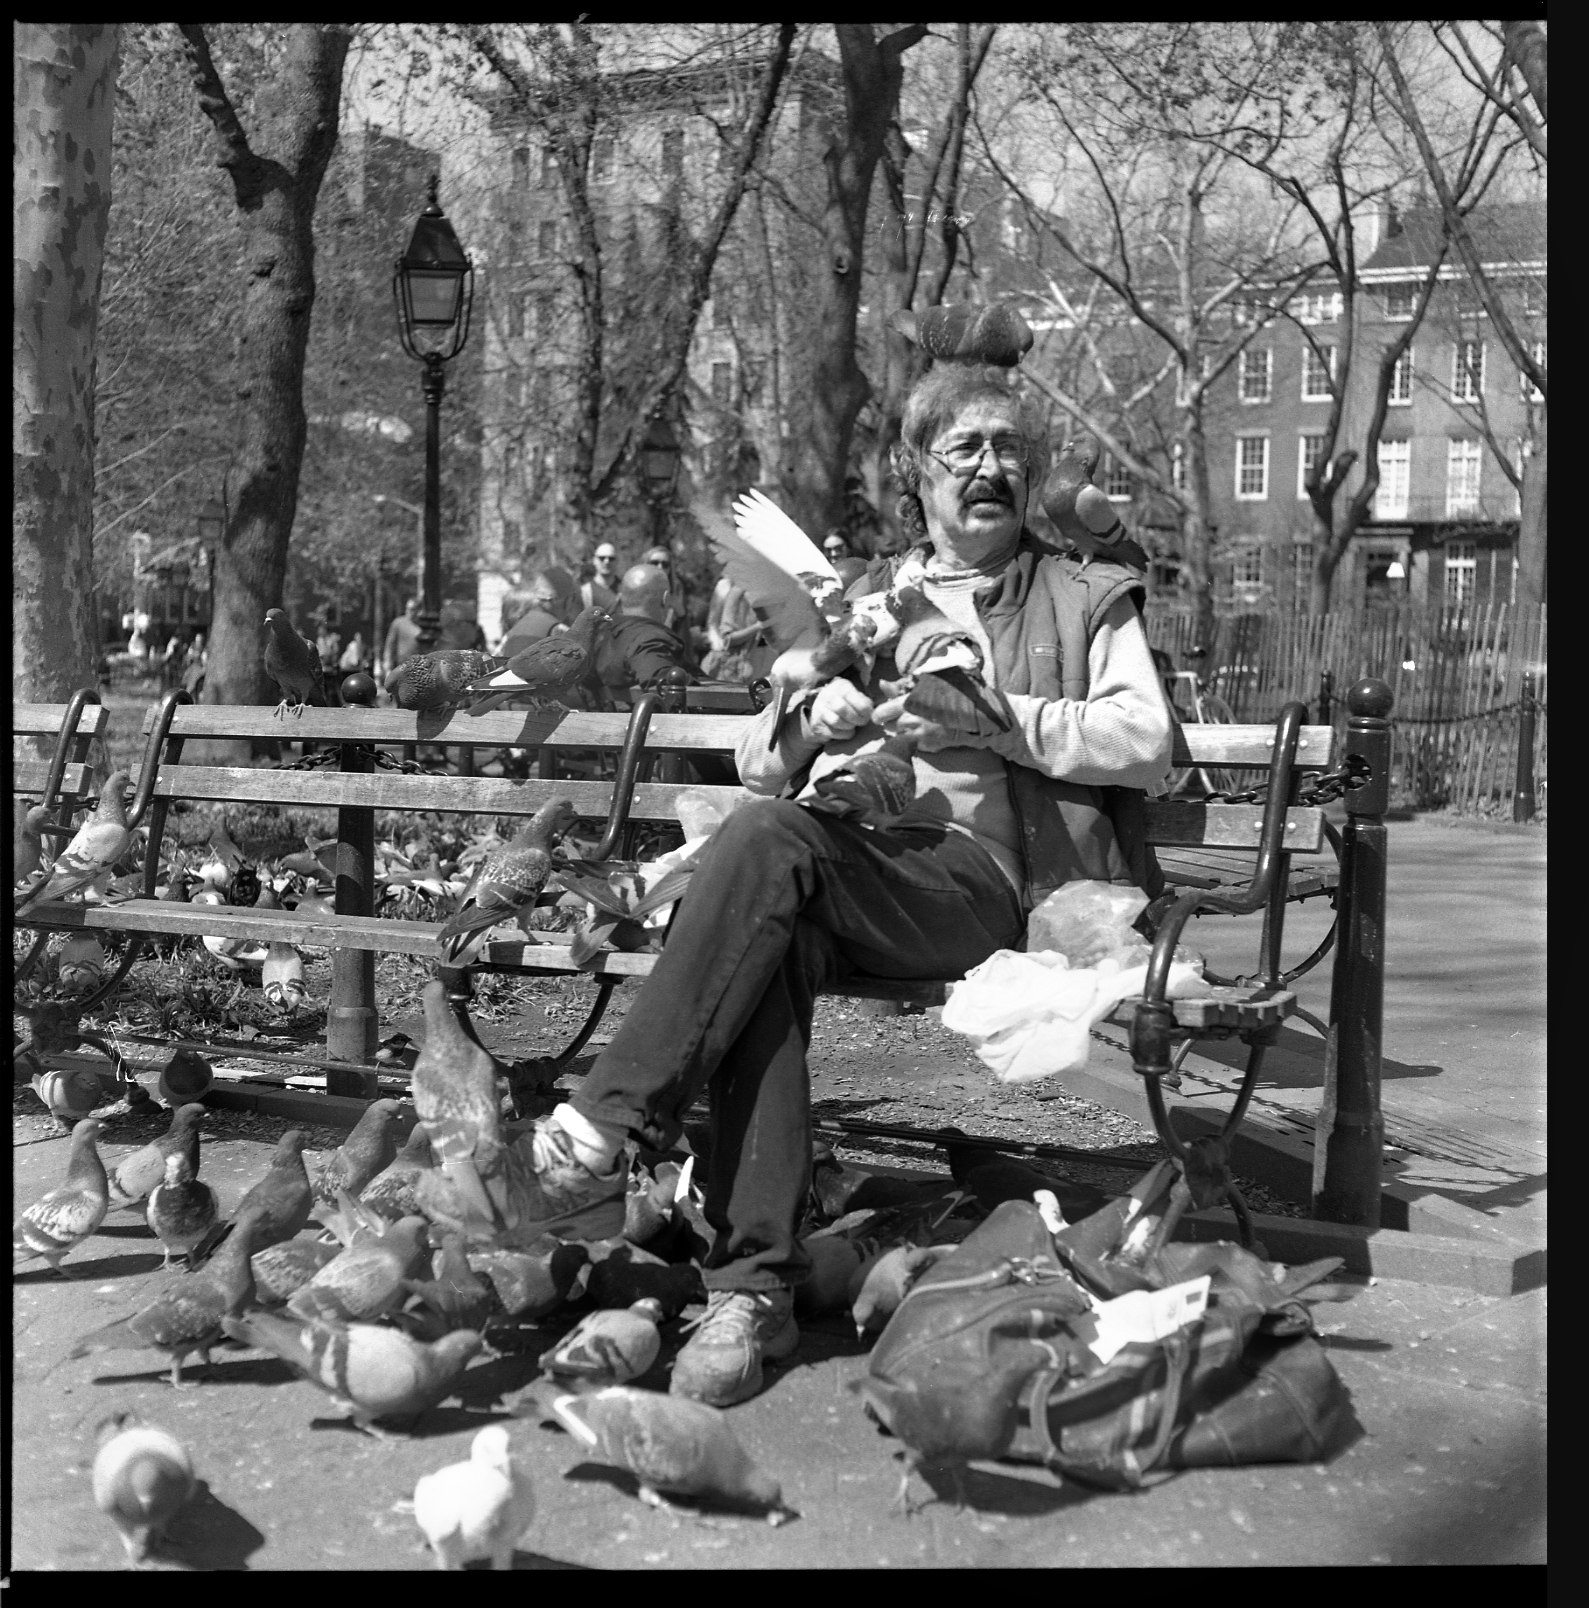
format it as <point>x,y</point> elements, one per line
<point>237,954</point>
<point>673,1446</point>
<point>876,1289</point>
<point>1081,513</point>
<point>622,1274</point>
<point>188,1313</point>
<point>27,844</point>
<point>532,1281</point>
<point>608,1348</point>
<point>282,977</point>
<point>138,1173</point>
<point>993,1178</point>
<point>506,883</point>
<point>391,1193</point>
<point>90,858</point>
<point>70,1094</point>
<point>369,1149</point>
<point>294,665</point>
<point>58,1222</point>
<point>834,1262</point>
<point>182,1208</point>
<point>372,1372</point>
<point>546,671</point>
<point>282,1200</point>
<point>963,333</point>
<point>279,1270</point>
<point>143,1477</point>
<point>368,1279</point>
<point>82,962</point>
<point>876,787</point>
<point>184,1079</point>
<point>478,1509</point>
<point>428,682</point>
<point>454,1297</point>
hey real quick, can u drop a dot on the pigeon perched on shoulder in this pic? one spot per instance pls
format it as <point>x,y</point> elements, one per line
<point>294,665</point>
<point>182,1208</point>
<point>187,1315</point>
<point>143,1477</point>
<point>60,1221</point>
<point>88,860</point>
<point>137,1174</point>
<point>427,682</point>
<point>506,883</point>
<point>673,1446</point>
<point>478,1509</point>
<point>1081,513</point>
<point>546,671</point>
<point>371,1371</point>
<point>280,1202</point>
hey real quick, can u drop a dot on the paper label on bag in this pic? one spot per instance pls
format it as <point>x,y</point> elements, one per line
<point>1143,1315</point>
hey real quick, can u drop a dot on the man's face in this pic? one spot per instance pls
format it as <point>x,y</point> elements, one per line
<point>981,511</point>
<point>836,548</point>
<point>606,562</point>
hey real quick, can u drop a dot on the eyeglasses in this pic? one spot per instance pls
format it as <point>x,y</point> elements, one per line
<point>606,558</point>
<point>835,548</point>
<point>964,458</point>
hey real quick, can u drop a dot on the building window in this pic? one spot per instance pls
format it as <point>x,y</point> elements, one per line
<point>1324,308</point>
<point>1302,568</point>
<point>1462,477</point>
<point>1531,392</point>
<point>1533,298</point>
<point>1401,380</point>
<point>1377,579</point>
<point>1401,299</point>
<point>601,157</point>
<point>546,237</point>
<point>1246,575</point>
<point>1317,372</point>
<point>521,164</point>
<point>1462,566</point>
<point>1178,466</point>
<point>722,383</point>
<point>1395,477</point>
<point>1116,481</point>
<point>543,314</point>
<point>1467,371</point>
<point>1469,303</point>
<point>515,316</point>
<point>673,153</point>
<point>1257,366</point>
<point>548,166</point>
<point>1310,446</point>
<point>1252,468</point>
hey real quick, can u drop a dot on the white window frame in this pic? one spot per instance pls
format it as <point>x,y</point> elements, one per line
<point>1467,385</point>
<point>1263,467</point>
<point>1462,566</point>
<point>1322,308</point>
<point>1178,465</point>
<point>1310,362</point>
<point>1465,454</point>
<point>1532,392</point>
<point>1250,560</point>
<point>1401,381</point>
<point>1410,286</point>
<point>1266,389</point>
<point>1115,474</point>
<point>1301,566</point>
<point>1387,505</point>
<point>1303,437</point>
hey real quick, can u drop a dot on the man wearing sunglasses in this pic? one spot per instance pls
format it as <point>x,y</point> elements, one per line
<point>786,900</point>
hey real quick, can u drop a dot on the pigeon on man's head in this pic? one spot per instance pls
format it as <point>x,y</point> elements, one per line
<point>293,664</point>
<point>281,1200</point>
<point>182,1208</point>
<point>369,1148</point>
<point>478,1509</point>
<point>506,883</point>
<point>427,682</point>
<point>97,845</point>
<point>143,1477</point>
<point>61,1220</point>
<point>138,1173</point>
<point>187,1314</point>
<point>546,671</point>
<point>962,333</point>
<point>371,1371</point>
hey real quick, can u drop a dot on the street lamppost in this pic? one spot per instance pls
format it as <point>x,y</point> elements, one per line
<point>659,468</point>
<point>433,287</point>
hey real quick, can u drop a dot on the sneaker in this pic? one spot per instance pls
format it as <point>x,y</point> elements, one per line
<point>721,1364</point>
<point>548,1190</point>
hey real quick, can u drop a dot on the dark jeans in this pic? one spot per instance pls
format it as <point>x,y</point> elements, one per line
<point>784,903</point>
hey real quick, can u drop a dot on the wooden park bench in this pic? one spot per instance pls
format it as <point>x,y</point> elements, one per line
<point>1235,856</point>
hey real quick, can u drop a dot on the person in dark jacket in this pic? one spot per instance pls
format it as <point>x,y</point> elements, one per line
<point>641,648</point>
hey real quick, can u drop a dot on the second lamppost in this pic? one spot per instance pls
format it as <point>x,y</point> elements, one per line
<point>434,290</point>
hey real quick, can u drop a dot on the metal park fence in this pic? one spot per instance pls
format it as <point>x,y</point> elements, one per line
<point>1470,710</point>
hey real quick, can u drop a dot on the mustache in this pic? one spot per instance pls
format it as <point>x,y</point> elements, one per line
<point>984,489</point>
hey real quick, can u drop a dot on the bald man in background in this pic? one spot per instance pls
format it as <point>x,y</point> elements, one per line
<point>641,647</point>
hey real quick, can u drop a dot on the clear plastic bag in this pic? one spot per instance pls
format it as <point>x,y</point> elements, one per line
<point>1086,921</point>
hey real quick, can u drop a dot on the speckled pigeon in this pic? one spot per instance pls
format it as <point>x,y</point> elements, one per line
<point>367,1279</point>
<point>963,333</point>
<point>182,1208</point>
<point>369,1149</point>
<point>137,1174</point>
<point>61,1220</point>
<point>391,1192</point>
<point>92,854</point>
<point>547,670</point>
<point>294,665</point>
<point>430,681</point>
<point>506,883</point>
<point>281,1200</point>
<point>877,786</point>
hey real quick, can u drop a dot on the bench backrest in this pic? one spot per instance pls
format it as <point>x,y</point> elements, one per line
<point>34,720</point>
<point>1170,823</point>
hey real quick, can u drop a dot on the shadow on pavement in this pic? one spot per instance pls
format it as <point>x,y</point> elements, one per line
<point>207,1534</point>
<point>104,1267</point>
<point>626,1483</point>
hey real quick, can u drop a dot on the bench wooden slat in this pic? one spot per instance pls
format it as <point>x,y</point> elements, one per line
<point>1239,746</point>
<point>1174,823</point>
<point>44,720</point>
<point>28,777</point>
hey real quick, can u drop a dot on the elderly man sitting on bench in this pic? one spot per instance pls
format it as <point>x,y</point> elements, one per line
<point>787,900</point>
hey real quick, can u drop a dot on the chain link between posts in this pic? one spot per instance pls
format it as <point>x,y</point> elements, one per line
<point>1352,774</point>
<point>327,758</point>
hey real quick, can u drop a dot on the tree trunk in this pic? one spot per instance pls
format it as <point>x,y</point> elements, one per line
<point>64,88</point>
<point>276,179</point>
<point>1531,546</point>
<point>1197,539</point>
<point>873,73</point>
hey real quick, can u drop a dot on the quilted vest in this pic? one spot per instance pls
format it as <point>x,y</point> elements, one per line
<point>1041,616</point>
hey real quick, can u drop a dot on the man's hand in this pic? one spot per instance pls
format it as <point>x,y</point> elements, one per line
<point>839,709</point>
<point>929,736</point>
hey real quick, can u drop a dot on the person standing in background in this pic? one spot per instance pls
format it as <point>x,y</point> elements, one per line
<point>601,588</point>
<point>402,638</point>
<point>329,646</point>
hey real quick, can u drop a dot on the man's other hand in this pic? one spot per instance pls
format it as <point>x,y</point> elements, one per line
<point>929,736</point>
<point>838,711</point>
